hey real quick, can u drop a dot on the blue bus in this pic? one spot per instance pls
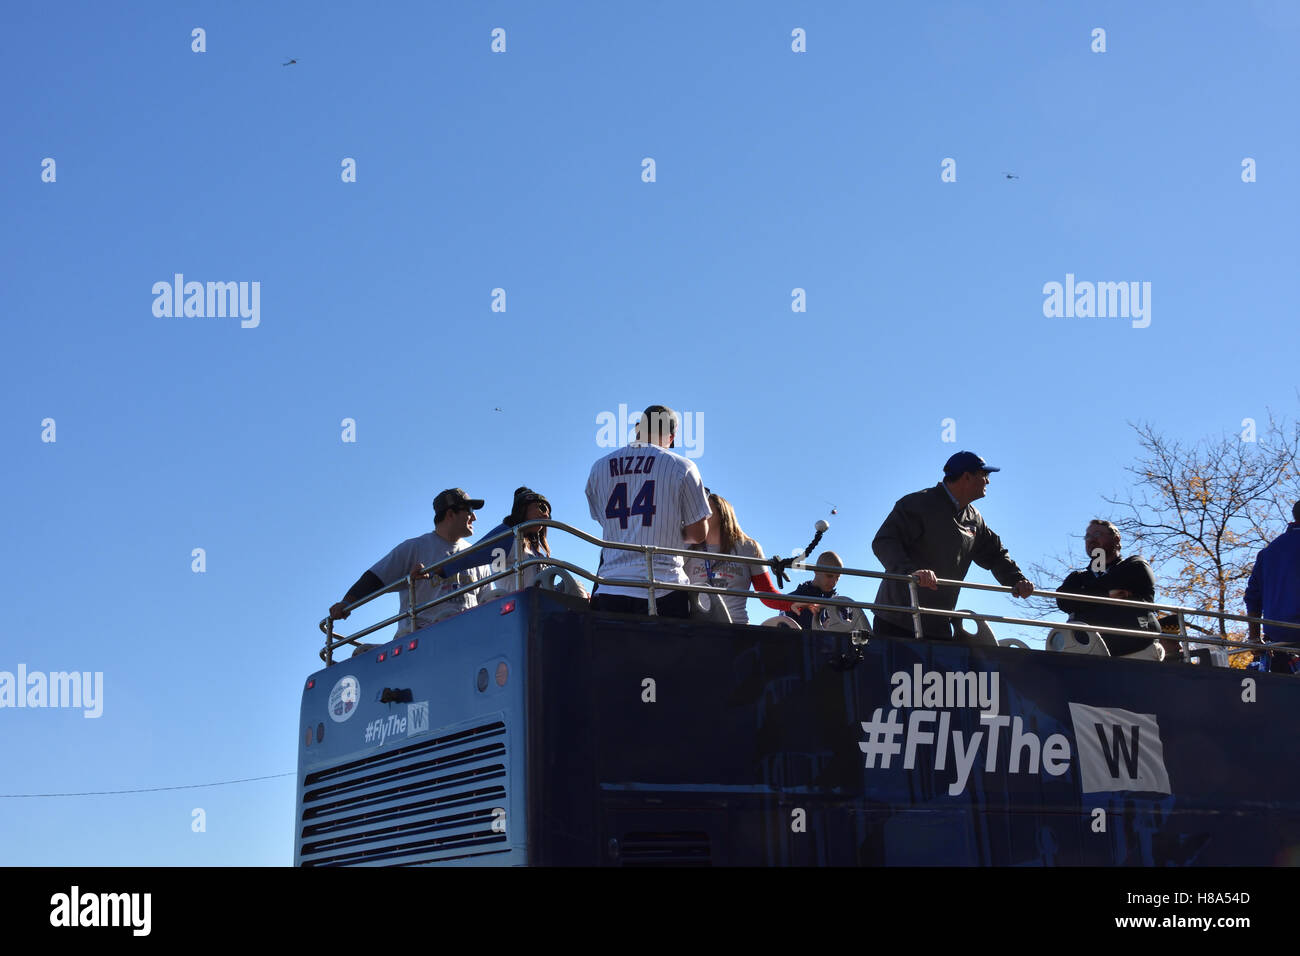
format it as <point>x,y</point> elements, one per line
<point>531,730</point>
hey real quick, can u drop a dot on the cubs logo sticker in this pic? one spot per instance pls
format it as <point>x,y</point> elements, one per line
<point>343,699</point>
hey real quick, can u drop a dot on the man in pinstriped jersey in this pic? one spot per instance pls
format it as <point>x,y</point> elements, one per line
<point>647,494</point>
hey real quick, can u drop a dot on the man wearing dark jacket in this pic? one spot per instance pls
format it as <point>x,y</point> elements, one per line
<point>937,533</point>
<point>1129,579</point>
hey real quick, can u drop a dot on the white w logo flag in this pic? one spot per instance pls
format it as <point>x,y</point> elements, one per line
<point>1118,750</point>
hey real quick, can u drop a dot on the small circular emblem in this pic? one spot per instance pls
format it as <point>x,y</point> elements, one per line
<point>343,699</point>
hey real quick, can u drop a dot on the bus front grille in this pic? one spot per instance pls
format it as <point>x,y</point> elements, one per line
<point>441,798</point>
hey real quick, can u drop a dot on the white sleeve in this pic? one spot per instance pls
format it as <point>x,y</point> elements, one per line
<point>694,502</point>
<point>591,493</point>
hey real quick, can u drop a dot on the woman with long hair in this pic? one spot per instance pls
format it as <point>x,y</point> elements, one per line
<point>528,506</point>
<point>726,537</point>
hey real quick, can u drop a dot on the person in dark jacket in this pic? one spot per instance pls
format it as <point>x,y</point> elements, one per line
<point>937,533</point>
<point>1109,575</point>
<point>1273,592</point>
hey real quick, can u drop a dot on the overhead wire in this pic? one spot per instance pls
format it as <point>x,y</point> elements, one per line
<point>187,786</point>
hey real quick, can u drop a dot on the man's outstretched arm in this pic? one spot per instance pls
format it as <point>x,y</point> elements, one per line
<point>991,554</point>
<point>368,583</point>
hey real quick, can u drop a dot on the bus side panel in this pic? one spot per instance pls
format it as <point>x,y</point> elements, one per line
<point>761,746</point>
<point>563,795</point>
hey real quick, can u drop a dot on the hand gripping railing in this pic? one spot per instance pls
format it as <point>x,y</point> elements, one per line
<point>1181,613</point>
<point>333,641</point>
<point>915,609</point>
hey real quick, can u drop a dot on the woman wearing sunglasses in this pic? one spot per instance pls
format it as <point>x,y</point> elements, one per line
<point>496,556</point>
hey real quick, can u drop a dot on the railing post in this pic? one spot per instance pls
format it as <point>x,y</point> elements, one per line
<point>519,552</point>
<point>650,575</point>
<point>410,598</point>
<point>329,643</point>
<point>915,595</point>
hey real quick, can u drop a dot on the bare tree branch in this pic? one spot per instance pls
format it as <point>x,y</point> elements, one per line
<point>1200,513</point>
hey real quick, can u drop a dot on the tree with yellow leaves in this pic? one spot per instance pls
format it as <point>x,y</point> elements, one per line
<point>1200,513</point>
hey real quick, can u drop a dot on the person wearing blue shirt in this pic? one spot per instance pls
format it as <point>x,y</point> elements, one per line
<point>1273,592</point>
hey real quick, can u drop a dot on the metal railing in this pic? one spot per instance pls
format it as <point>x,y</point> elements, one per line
<point>916,610</point>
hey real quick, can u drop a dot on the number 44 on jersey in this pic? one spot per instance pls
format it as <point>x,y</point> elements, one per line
<point>643,504</point>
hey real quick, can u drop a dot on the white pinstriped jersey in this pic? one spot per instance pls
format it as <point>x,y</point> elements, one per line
<point>644,494</point>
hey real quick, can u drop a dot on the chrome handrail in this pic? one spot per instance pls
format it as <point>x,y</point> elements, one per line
<point>915,610</point>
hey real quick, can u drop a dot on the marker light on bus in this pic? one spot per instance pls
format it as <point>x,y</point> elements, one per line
<point>411,646</point>
<point>507,607</point>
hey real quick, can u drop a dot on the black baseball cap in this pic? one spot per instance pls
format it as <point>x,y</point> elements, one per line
<point>523,497</point>
<point>963,462</point>
<point>455,498</point>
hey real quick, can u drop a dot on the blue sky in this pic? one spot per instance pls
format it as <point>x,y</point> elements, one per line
<point>522,170</point>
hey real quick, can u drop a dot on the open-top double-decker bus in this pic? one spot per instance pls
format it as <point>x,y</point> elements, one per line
<point>531,730</point>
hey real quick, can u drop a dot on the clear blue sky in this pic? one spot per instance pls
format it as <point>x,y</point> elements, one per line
<point>523,171</point>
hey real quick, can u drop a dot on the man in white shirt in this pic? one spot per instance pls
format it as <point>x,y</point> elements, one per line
<point>647,495</point>
<point>453,516</point>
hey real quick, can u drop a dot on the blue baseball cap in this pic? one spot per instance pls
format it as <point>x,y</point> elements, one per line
<point>963,462</point>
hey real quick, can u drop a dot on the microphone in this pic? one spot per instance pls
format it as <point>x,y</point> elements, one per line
<point>821,527</point>
<point>779,566</point>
